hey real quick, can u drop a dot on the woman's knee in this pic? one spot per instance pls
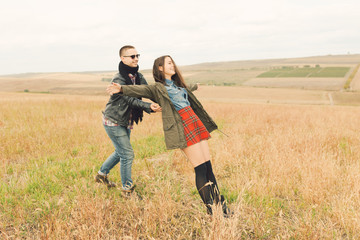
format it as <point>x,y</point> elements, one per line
<point>195,156</point>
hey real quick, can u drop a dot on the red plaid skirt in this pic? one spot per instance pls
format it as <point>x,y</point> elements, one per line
<point>194,129</point>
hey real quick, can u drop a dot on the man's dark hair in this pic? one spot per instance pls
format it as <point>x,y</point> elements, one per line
<point>124,48</point>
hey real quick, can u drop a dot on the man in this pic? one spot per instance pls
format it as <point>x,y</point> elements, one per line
<point>118,118</point>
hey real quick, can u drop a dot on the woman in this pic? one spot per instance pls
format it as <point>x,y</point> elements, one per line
<point>186,124</point>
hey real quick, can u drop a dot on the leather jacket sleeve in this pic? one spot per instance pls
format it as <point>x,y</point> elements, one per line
<point>132,101</point>
<point>137,103</point>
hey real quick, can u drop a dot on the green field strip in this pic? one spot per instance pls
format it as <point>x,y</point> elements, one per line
<point>333,72</point>
<point>306,72</point>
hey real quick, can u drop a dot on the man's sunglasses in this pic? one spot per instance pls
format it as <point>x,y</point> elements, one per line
<point>133,56</point>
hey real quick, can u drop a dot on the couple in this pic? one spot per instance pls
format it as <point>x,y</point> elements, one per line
<point>185,122</point>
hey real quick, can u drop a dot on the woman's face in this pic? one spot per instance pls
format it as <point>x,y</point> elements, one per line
<point>168,68</point>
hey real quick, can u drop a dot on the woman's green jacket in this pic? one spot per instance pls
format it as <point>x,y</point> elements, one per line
<point>172,122</point>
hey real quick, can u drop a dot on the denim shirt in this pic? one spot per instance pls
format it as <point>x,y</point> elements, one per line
<point>178,95</point>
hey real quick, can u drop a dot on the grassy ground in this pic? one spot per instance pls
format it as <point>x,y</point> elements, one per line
<point>287,172</point>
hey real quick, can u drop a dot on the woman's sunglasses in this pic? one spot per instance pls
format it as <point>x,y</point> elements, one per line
<point>133,56</point>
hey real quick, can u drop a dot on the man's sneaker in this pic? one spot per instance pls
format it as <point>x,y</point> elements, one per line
<point>128,191</point>
<point>104,179</point>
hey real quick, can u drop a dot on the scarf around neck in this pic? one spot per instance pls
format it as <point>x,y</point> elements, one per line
<point>126,71</point>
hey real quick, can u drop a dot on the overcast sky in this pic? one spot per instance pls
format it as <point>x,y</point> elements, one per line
<point>85,35</point>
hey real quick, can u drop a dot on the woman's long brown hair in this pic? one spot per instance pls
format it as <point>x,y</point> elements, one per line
<point>159,76</point>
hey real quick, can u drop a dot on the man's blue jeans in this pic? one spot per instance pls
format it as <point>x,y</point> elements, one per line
<point>124,153</point>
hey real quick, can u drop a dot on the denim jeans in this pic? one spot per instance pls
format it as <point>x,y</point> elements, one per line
<point>124,153</point>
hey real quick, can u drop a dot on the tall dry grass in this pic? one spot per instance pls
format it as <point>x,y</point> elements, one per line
<point>287,171</point>
<point>297,168</point>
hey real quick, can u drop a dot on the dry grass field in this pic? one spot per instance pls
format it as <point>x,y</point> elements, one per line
<point>288,171</point>
<point>262,95</point>
<point>66,83</point>
<point>286,159</point>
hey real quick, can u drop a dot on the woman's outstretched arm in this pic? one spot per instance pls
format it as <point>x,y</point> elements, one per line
<point>146,91</point>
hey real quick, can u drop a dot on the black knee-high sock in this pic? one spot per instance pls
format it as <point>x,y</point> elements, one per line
<point>202,183</point>
<point>215,191</point>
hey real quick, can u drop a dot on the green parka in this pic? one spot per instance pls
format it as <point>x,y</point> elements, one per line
<point>172,122</point>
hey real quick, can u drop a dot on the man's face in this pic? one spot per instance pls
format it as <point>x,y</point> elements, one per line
<point>128,60</point>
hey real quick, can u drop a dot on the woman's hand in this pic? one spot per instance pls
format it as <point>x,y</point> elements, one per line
<point>113,88</point>
<point>155,107</point>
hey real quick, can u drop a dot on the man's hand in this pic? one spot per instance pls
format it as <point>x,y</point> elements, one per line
<point>113,88</point>
<point>155,107</point>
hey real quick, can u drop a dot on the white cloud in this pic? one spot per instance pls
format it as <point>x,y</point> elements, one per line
<point>84,35</point>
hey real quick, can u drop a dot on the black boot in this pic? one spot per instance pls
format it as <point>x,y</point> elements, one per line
<point>226,211</point>
<point>209,208</point>
<point>205,194</point>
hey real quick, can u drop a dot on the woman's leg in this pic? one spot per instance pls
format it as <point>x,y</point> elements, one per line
<point>215,191</point>
<point>196,156</point>
<point>206,153</point>
<point>199,156</point>
<point>205,149</point>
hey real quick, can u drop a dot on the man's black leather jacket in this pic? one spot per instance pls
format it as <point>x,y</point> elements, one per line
<point>119,107</point>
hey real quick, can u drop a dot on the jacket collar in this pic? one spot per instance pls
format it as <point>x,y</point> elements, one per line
<point>163,90</point>
<point>169,82</point>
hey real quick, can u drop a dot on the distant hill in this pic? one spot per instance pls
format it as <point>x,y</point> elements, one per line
<point>347,59</point>
<point>233,73</point>
<point>245,73</point>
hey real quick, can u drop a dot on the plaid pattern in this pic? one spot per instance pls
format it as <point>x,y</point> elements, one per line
<point>133,78</point>
<point>194,129</point>
<point>107,122</point>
